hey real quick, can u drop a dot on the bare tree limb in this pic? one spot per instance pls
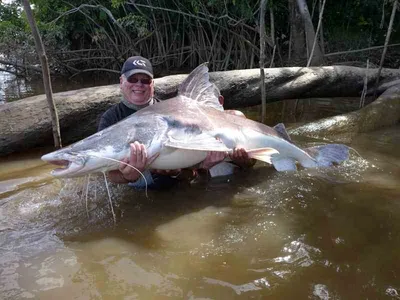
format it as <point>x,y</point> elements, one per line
<point>321,13</point>
<point>46,74</point>
<point>365,88</point>
<point>321,32</point>
<point>263,4</point>
<point>389,31</point>
<point>200,18</point>
<point>272,22</point>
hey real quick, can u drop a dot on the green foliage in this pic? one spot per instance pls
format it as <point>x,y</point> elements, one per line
<point>14,34</point>
<point>353,24</point>
<point>182,32</point>
<point>363,22</point>
<point>117,3</point>
<point>136,25</point>
<point>11,13</point>
<point>54,36</point>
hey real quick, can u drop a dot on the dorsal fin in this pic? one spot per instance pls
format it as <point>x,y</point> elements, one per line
<point>281,130</point>
<point>197,86</point>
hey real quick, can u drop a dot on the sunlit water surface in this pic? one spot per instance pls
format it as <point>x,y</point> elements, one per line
<point>311,234</point>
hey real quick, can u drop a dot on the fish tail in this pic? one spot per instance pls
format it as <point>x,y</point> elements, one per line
<point>319,156</point>
<point>283,163</point>
<point>328,155</point>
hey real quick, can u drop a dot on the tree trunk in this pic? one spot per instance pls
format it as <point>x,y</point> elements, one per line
<point>263,4</point>
<point>321,13</point>
<point>318,59</point>
<point>389,31</point>
<point>297,40</point>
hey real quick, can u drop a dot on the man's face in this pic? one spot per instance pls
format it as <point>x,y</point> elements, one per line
<point>134,90</point>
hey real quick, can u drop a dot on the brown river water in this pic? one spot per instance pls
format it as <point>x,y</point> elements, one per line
<point>313,234</point>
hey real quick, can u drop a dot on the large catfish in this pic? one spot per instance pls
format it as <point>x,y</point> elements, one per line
<point>181,130</point>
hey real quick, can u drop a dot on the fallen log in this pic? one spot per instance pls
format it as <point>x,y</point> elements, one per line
<point>241,88</point>
<point>384,111</point>
<point>26,123</point>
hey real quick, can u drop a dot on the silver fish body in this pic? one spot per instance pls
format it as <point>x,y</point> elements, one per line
<point>182,130</point>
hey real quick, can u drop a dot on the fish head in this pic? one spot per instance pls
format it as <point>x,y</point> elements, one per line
<point>99,152</point>
<point>104,150</point>
<point>74,163</point>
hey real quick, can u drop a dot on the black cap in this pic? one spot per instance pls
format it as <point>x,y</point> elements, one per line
<point>137,64</point>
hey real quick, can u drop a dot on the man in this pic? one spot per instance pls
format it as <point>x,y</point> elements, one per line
<point>137,89</point>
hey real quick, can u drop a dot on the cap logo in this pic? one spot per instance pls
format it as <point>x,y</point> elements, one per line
<point>139,62</point>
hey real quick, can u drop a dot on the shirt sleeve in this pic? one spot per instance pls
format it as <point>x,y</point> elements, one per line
<point>145,180</point>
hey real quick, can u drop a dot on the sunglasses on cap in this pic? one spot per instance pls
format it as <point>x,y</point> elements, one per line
<point>146,81</point>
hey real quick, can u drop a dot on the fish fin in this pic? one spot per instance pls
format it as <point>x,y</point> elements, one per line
<point>281,130</point>
<point>263,154</point>
<point>281,163</point>
<point>328,155</point>
<point>202,142</point>
<point>197,86</point>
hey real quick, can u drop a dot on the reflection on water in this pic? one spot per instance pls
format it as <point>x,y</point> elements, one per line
<point>317,234</point>
<point>13,88</point>
<point>299,111</point>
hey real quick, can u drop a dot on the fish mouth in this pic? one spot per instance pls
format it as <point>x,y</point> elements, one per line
<point>68,168</point>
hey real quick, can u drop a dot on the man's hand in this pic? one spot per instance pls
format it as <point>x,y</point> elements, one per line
<point>240,157</point>
<point>137,158</point>
<point>213,158</point>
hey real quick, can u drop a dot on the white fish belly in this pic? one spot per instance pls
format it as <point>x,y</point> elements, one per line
<point>172,158</point>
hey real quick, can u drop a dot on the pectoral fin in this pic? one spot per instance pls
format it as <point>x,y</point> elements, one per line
<point>202,142</point>
<point>263,154</point>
